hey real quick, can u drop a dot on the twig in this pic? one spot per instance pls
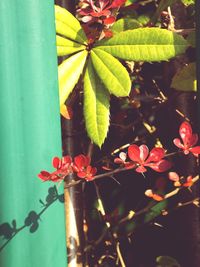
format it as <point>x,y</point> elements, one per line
<point>120,255</point>
<point>107,174</point>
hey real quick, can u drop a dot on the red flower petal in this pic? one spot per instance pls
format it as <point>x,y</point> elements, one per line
<point>189,182</point>
<point>56,163</point>
<point>44,176</point>
<point>66,160</point>
<point>195,150</point>
<point>89,178</point>
<point>109,20</point>
<point>118,161</point>
<point>157,197</point>
<point>108,33</point>
<point>161,166</point>
<point>93,171</point>
<point>156,154</point>
<point>141,169</point>
<point>81,161</point>
<point>185,131</point>
<point>178,143</point>
<point>81,174</point>
<point>100,13</point>
<point>193,140</point>
<point>121,159</point>
<point>117,3</point>
<point>173,176</point>
<point>149,193</point>
<point>134,153</point>
<point>144,152</point>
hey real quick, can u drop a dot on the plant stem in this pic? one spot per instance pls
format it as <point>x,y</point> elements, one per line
<point>113,238</point>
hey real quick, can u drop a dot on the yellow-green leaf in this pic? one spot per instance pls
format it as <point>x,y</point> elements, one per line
<point>68,74</point>
<point>188,2</point>
<point>125,24</point>
<point>144,44</point>
<point>111,72</point>
<point>185,79</point>
<point>68,26</point>
<point>96,106</point>
<point>66,47</point>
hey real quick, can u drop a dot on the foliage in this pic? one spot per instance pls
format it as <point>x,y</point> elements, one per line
<point>145,44</point>
<point>185,79</point>
<point>118,62</point>
<point>166,261</point>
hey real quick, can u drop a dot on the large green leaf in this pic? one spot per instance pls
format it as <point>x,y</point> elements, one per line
<point>66,47</point>
<point>145,44</point>
<point>68,26</point>
<point>125,24</point>
<point>111,72</point>
<point>68,74</point>
<point>185,79</point>
<point>96,106</point>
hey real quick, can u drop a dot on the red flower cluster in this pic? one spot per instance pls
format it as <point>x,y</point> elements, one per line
<point>83,168</point>
<point>98,16</point>
<point>101,11</point>
<point>65,166</point>
<point>188,140</point>
<point>142,158</point>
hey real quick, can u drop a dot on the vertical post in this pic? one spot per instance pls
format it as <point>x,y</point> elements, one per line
<point>32,232</point>
<point>73,195</point>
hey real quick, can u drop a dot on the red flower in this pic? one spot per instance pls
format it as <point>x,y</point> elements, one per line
<point>189,140</point>
<point>83,168</point>
<point>122,160</point>
<point>63,168</point>
<point>100,11</point>
<point>180,181</point>
<point>117,3</point>
<point>153,159</point>
<point>150,193</point>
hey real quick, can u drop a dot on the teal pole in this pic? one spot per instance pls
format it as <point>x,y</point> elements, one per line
<point>32,227</point>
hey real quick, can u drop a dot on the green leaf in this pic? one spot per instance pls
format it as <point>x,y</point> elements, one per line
<point>155,211</point>
<point>143,19</point>
<point>191,39</point>
<point>66,47</point>
<point>68,26</point>
<point>188,2</point>
<point>130,2</point>
<point>166,261</point>
<point>68,74</point>
<point>111,72</point>
<point>185,79</point>
<point>96,106</point>
<point>125,24</point>
<point>145,44</point>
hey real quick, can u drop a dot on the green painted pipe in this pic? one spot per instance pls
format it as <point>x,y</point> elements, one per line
<point>31,234</point>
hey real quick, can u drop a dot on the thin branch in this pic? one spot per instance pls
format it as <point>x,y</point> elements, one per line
<point>132,214</point>
<point>120,255</point>
<point>107,174</point>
